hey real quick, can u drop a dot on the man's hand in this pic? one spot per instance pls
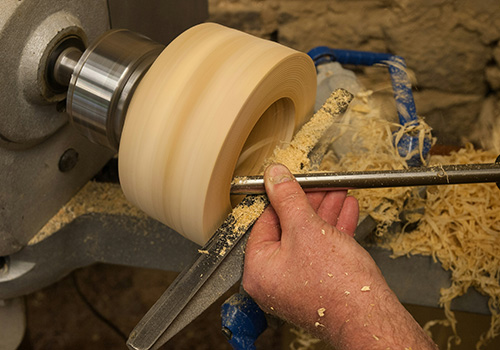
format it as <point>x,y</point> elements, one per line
<point>303,265</point>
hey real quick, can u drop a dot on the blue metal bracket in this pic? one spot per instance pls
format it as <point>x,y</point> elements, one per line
<point>242,321</point>
<point>401,85</point>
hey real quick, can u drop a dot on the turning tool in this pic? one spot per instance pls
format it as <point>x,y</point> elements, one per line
<point>422,176</point>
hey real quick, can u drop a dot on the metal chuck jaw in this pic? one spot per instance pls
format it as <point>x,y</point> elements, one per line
<point>101,81</point>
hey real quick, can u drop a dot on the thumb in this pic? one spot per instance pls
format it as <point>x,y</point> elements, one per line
<point>286,196</point>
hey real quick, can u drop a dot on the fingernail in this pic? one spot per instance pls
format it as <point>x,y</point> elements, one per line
<point>278,173</point>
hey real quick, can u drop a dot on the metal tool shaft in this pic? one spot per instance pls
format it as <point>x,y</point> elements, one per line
<point>423,176</point>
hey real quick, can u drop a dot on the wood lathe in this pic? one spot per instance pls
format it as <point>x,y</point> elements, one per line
<point>178,116</point>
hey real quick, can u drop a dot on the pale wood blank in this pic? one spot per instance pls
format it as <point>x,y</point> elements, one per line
<point>212,93</point>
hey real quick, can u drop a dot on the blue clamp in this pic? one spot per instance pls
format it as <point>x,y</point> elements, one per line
<point>242,321</point>
<point>401,86</point>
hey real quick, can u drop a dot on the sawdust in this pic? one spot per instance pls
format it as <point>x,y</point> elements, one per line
<point>94,197</point>
<point>238,180</point>
<point>295,155</point>
<point>245,215</point>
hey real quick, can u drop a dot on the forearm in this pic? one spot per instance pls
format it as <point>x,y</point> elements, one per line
<point>380,322</point>
<point>355,309</point>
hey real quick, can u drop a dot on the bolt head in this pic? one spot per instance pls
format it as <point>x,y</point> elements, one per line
<point>68,160</point>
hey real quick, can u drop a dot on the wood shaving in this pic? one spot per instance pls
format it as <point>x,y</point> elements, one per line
<point>375,337</point>
<point>321,312</point>
<point>365,289</point>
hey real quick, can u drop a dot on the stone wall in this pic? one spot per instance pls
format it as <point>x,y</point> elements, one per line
<point>453,47</point>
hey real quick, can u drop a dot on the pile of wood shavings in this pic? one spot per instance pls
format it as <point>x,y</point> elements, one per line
<point>302,340</point>
<point>460,228</point>
<point>370,147</point>
<point>94,197</point>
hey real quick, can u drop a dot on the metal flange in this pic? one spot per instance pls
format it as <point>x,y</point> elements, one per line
<point>104,80</point>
